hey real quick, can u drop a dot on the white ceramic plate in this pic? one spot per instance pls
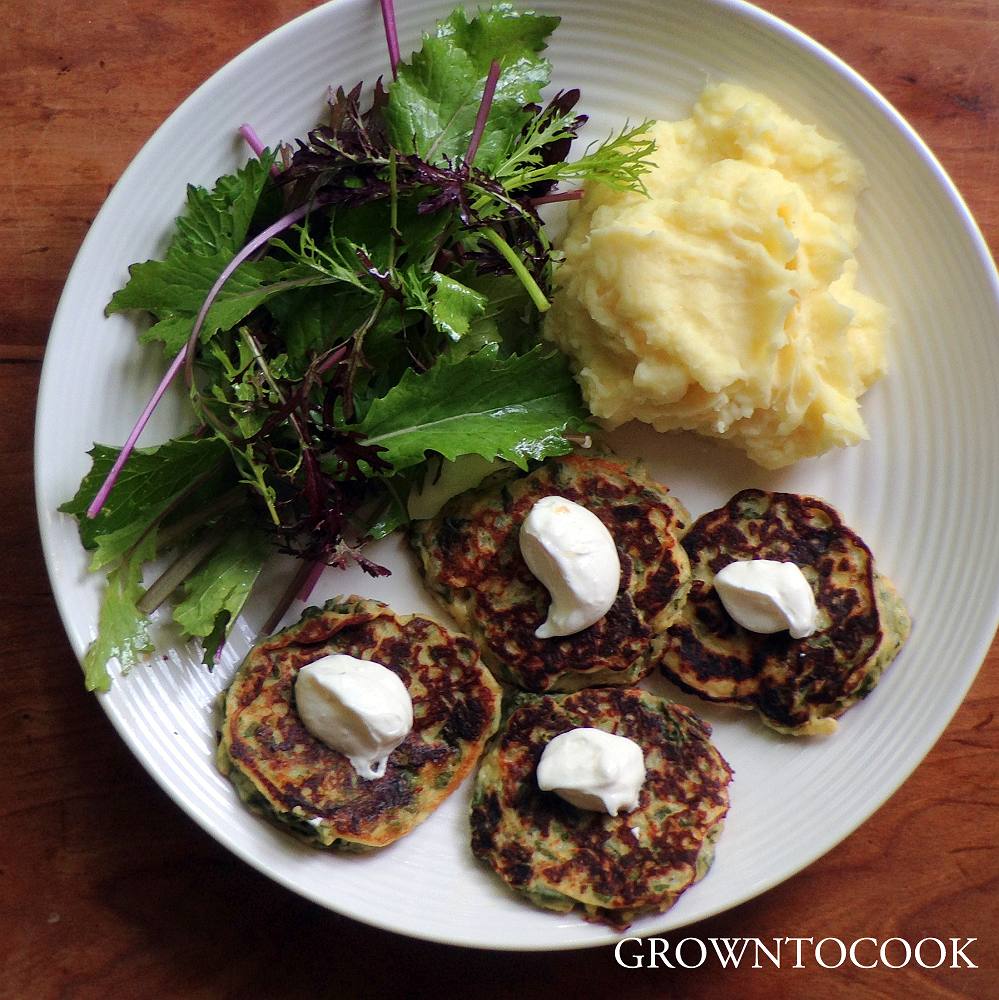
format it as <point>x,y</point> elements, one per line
<point>920,491</point>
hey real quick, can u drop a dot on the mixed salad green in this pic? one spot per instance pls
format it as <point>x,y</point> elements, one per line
<point>347,314</point>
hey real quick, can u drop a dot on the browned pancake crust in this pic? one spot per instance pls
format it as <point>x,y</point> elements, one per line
<point>613,868</point>
<point>470,558</point>
<point>797,685</point>
<point>280,768</point>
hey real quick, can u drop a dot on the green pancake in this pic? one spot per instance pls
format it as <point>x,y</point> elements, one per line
<point>280,770</point>
<point>798,686</point>
<point>612,868</point>
<point>470,558</point>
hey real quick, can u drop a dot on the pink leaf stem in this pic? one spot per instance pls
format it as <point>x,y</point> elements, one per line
<point>312,578</point>
<point>334,359</point>
<point>249,134</point>
<point>548,199</point>
<point>391,35</point>
<point>297,586</point>
<point>488,92</point>
<point>102,494</point>
<point>274,229</point>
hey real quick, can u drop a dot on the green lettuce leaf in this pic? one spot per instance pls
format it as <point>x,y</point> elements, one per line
<point>370,226</point>
<point>122,630</point>
<point>314,319</point>
<point>222,583</point>
<point>454,306</point>
<point>516,408</point>
<point>173,290</point>
<point>212,228</point>
<point>152,480</point>
<point>433,103</point>
<point>217,221</point>
<point>509,318</point>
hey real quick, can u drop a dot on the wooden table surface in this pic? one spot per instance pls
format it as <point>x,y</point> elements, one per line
<point>106,888</point>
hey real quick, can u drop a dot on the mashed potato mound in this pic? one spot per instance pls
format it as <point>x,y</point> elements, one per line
<point>724,303</point>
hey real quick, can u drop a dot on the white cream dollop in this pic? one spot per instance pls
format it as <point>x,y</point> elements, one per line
<point>764,595</point>
<point>593,769</point>
<point>357,707</point>
<point>570,551</point>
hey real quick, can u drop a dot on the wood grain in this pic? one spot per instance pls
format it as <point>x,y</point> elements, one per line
<point>106,888</point>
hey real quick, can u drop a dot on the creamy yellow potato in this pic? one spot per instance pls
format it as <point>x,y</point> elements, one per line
<point>725,303</point>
